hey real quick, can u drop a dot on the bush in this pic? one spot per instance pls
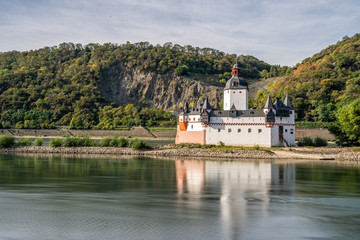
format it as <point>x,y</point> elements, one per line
<point>24,142</point>
<point>114,142</point>
<point>38,142</point>
<point>85,141</point>
<point>305,142</point>
<point>68,142</point>
<point>7,141</point>
<point>140,144</point>
<point>132,141</point>
<point>320,142</point>
<point>123,142</point>
<point>256,147</point>
<point>105,142</point>
<point>56,142</point>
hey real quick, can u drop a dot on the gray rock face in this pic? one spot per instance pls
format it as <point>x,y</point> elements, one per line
<point>125,85</point>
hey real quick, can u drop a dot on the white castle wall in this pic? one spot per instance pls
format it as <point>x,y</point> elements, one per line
<point>194,123</point>
<point>288,127</point>
<point>238,97</point>
<point>238,135</point>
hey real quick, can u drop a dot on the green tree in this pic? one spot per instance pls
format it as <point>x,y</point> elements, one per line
<point>181,70</point>
<point>347,130</point>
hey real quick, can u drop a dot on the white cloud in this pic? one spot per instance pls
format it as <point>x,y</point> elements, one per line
<point>279,32</point>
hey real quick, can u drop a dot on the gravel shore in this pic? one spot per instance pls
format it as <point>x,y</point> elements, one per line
<point>338,154</point>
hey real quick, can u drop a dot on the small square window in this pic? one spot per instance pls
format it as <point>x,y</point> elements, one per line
<point>249,130</point>
<point>229,130</point>
<point>285,130</point>
<point>239,130</point>
<point>219,130</point>
<point>259,130</point>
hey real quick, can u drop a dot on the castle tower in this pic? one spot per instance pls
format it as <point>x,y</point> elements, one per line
<point>236,91</point>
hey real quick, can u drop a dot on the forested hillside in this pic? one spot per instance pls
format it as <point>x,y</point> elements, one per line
<point>322,84</point>
<point>88,86</point>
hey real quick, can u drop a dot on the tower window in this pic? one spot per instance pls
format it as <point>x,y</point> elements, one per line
<point>229,130</point>
<point>259,130</point>
<point>192,126</point>
<point>239,91</point>
<point>249,130</point>
<point>239,130</point>
<point>219,130</point>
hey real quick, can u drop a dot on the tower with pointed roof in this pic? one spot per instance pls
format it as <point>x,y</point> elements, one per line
<point>236,91</point>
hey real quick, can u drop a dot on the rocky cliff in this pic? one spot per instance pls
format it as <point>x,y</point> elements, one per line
<point>125,85</point>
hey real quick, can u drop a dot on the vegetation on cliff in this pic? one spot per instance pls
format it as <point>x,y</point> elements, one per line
<point>322,84</point>
<point>60,85</point>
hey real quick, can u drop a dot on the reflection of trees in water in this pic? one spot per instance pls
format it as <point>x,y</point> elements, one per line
<point>82,174</point>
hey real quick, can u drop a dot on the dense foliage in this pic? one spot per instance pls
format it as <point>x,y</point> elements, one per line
<point>7,141</point>
<point>86,141</point>
<point>322,84</point>
<point>347,128</point>
<point>59,85</point>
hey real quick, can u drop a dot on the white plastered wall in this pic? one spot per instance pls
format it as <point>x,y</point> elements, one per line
<point>258,135</point>
<point>194,123</point>
<point>238,97</point>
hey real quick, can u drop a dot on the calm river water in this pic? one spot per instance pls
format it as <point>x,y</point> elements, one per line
<point>140,198</point>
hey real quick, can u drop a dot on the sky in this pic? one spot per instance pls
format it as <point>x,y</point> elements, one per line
<point>277,31</point>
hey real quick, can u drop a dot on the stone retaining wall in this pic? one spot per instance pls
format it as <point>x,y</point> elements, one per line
<point>135,132</point>
<point>313,133</point>
<point>142,132</point>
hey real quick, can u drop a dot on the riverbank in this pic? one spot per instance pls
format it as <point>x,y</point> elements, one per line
<point>338,154</point>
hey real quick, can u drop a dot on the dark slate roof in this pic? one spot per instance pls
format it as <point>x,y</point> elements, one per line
<point>206,104</point>
<point>288,102</point>
<point>239,113</point>
<point>278,104</point>
<point>239,83</point>
<point>186,107</point>
<point>269,103</point>
<point>195,111</point>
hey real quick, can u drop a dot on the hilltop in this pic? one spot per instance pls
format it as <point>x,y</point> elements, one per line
<point>321,84</point>
<point>89,85</point>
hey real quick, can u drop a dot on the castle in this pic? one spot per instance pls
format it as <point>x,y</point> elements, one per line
<point>236,125</point>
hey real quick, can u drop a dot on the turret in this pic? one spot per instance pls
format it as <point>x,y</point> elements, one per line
<point>269,111</point>
<point>206,106</point>
<point>236,91</point>
<point>288,102</point>
<point>268,105</point>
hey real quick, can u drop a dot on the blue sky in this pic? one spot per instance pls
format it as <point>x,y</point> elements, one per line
<point>276,31</point>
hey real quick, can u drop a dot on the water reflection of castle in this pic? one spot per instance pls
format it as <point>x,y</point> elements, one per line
<point>240,187</point>
<point>192,175</point>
